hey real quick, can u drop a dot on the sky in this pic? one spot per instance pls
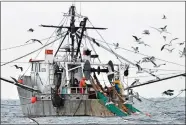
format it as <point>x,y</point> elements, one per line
<point>123,19</point>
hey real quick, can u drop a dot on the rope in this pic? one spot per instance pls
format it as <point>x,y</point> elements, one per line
<point>16,46</point>
<point>28,53</point>
<point>33,120</point>
<point>156,74</point>
<point>24,44</point>
<point>16,105</point>
<point>106,43</point>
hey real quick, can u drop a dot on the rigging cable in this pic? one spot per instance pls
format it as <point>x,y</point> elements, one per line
<point>24,44</point>
<point>33,120</point>
<point>106,43</point>
<point>28,53</point>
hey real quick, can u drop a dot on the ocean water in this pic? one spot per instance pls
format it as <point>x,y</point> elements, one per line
<point>165,112</point>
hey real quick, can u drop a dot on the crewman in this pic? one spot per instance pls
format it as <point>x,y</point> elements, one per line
<point>118,86</point>
<point>82,84</point>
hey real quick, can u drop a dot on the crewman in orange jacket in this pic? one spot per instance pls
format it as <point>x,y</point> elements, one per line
<point>82,84</point>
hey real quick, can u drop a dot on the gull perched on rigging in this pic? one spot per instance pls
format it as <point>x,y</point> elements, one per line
<point>30,30</point>
<point>116,45</point>
<point>33,40</point>
<point>136,49</point>
<point>146,32</point>
<point>18,67</point>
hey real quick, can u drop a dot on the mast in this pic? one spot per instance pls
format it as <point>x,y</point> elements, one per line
<point>72,28</point>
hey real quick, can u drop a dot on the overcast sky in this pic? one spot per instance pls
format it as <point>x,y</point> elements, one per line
<point>123,19</point>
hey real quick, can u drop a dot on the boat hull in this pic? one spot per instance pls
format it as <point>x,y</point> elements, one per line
<point>72,106</point>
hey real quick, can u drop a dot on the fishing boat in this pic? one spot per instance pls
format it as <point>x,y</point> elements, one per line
<point>67,82</point>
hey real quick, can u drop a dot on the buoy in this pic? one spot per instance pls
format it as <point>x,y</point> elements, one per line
<point>33,99</point>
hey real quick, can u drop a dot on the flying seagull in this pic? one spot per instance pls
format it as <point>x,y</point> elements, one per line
<point>136,49</point>
<point>164,37</point>
<point>31,30</point>
<point>33,40</point>
<point>172,40</point>
<point>138,62</point>
<point>116,45</point>
<point>136,38</point>
<point>139,68</point>
<point>155,65</point>
<point>17,67</point>
<point>136,81</point>
<point>181,43</point>
<point>182,52</point>
<point>15,80</point>
<point>161,30</point>
<point>164,17</point>
<point>170,50</point>
<point>152,71</point>
<point>168,92</point>
<point>146,32</point>
<point>146,44</point>
<point>164,46</point>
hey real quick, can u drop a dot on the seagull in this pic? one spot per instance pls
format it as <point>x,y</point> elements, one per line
<point>136,49</point>
<point>170,90</point>
<point>162,29</point>
<point>172,40</point>
<point>136,38</point>
<point>136,81</point>
<point>137,97</point>
<point>31,30</point>
<point>170,50</point>
<point>164,37</point>
<point>164,17</point>
<point>182,52</point>
<point>116,45</point>
<point>146,32</point>
<point>139,68</point>
<point>33,40</point>
<point>164,46</point>
<point>138,62</point>
<point>126,72</point>
<point>152,71</point>
<point>15,80</point>
<point>17,67</point>
<point>155,65</point>
<point>146,44</point>
<point>181,43</point>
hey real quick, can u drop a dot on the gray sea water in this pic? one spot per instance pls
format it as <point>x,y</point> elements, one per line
<point>167,112</point>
